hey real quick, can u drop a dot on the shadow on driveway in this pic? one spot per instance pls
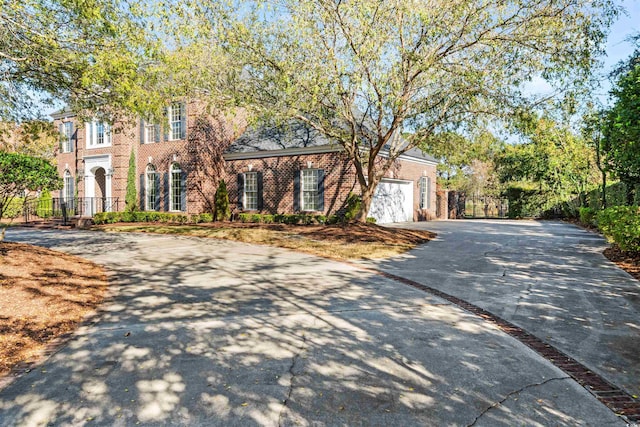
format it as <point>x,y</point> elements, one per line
<point>207,332</point>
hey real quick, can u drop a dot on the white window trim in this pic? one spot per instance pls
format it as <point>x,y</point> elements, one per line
<point>425,189</point>
<point>92,134</point>
<point>170,110</point>
<point>67,128</point>
<point>171,196</point>
<point>68,192</point>
<point>147,138</point>
<point>147,183</point>
<point>304,208</point>
<point>244,191</point>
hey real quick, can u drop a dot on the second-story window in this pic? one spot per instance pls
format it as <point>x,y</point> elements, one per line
<point>66,137</point>
<point>98,134</point>
<point>151,133</point>
<point>177,121</point>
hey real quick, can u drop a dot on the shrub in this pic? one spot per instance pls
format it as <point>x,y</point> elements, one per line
<point>371,220</point>
<point>222,211</point>
<point>45,205</point>
<point>205,217</point>
<point>14,208</point>
<point>267,219</point>
<point>621,224</point>
<point>587,216</point>
<point>525,202</point>
<point>353,206</point>
<point>131,197</point>
<point>333,219</point>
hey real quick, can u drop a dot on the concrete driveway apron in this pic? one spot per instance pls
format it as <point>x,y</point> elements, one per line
<point>550,278</point>
<point>207,332</point>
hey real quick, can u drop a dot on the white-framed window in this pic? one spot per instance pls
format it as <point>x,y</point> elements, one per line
<point>151,133</point>
<point>177,121</point>
<point>310,185</point>
<point>152,190</point>
<point>66,137</point>
<point>425,192</point>
<point>250,191</point>
<point>68,193</point>
<point>98,134</point>
<point>175,188</point>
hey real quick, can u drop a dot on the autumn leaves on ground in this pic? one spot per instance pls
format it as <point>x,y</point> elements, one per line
<point>43,294</point>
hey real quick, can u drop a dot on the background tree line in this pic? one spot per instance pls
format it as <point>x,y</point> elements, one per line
<point>361,73</point>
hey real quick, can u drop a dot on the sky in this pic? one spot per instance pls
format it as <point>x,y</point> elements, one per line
<point>618,48</point>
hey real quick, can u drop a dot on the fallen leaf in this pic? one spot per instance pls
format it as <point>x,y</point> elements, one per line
<point>244,404</point>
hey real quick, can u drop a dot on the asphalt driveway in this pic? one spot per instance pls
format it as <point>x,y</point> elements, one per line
<point>548,277</point>
<point>207,332</point>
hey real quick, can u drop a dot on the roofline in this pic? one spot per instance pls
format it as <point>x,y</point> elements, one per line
<point>410,158</point>
<point>321,149</point>
<point>329,148</point>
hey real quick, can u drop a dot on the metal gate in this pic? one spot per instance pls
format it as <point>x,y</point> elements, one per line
<point>483,207</point>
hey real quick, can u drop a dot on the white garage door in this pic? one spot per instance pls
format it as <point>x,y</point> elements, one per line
<point>392,202</point>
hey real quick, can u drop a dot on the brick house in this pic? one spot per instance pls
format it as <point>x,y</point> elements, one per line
<point>269,170</point>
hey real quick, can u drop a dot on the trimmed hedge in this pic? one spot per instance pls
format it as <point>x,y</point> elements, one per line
<point>172,218</point>
<point>621,224</point>
<point>161,217</point>
<point>587,216</point>
<point>282,219</point>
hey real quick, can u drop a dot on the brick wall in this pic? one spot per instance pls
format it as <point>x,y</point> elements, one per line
<point>278,175</point>
<point>340,179</point>
<point>278,172</point>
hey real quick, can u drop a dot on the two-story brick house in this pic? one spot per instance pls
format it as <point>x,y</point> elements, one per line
<point>269,170</point>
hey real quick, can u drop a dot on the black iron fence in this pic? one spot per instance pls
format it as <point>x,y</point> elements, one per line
<point>60,208</point>
<point>483,207</point>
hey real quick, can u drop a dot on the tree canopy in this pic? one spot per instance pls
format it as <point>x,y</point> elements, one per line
<point>621,129</point>
<point>21,177</point>
<point>364,72</point>
<point>88,54</point>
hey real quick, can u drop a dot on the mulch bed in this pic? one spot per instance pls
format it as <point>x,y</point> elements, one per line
<point>44,295</point>
<point>628,261</point>
<point>353,232</point>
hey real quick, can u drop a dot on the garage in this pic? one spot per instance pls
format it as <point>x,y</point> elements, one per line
<point>392,201</point>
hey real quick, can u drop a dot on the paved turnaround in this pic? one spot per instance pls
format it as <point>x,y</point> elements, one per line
<point>207,332</point>
<point>548,277</point>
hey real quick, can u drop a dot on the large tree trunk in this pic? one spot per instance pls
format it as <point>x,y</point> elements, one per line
<point>367,198</point>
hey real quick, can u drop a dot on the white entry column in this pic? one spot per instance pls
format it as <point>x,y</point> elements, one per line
<point>91,164</point>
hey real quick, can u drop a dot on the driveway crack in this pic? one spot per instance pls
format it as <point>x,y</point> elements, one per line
<point>520,390</point>
<point>292,367</point>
